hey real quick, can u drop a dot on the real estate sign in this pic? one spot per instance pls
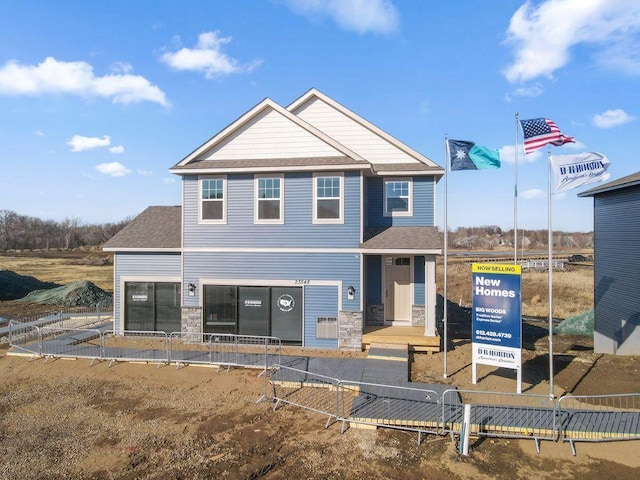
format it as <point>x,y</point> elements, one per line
<point>496,330</point>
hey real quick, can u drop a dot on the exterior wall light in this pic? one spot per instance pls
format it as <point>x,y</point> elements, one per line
<point>351,292</point>
<point>192,290</point>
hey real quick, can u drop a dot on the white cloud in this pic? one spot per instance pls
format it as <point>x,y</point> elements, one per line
<point>77,78</point>
<point>118,149</point>
<point>169,180</point>
<point>611,118</point>
<point>528,92</point>
<point>38,133</point>
<point>533,194</point>
<point>360,16</point>
<point>508,154</point>
<point>543,34</point>
<point>145,173</point>
<point>115,169</point>
<point>207,57</point>
<point>78,143</point>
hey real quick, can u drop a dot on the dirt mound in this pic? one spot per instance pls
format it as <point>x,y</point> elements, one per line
<point>14,286</point>
<point>581,324</point>
<point>81,293</point>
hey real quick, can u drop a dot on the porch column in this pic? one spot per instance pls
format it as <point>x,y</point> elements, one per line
<point>430,295</point>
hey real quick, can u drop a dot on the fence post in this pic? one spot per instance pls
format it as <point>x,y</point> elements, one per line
<point>465,430</point>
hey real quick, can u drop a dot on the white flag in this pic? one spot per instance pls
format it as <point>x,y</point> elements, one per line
<point>571,171</point>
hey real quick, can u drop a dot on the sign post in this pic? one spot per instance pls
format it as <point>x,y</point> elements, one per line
<point>496,330</point>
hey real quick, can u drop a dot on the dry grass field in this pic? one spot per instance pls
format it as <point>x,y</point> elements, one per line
<point>572,289</point>
<point>62,267</point>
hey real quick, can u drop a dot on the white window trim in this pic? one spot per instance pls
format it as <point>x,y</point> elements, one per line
<point>223,220</point>
<point>409,212</point>
<point>317,220</point>
<point>256,220</point>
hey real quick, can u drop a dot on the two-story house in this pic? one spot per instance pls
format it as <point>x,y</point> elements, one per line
<point>307,223</point>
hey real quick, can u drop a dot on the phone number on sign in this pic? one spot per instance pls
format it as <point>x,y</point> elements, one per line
<point>483,333</point>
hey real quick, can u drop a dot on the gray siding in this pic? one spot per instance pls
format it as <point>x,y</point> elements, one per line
<point>423,204</point>
<point>150,266</point>
<point>617,267</point>
<point>319,301</point>
<point>298,230</point>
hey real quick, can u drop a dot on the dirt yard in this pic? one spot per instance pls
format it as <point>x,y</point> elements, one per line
<point>66,419</point>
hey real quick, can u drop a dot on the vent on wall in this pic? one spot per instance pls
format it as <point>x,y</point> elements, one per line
<point>327,327</point>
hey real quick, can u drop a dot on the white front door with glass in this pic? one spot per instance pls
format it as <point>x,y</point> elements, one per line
<point>397,305</point>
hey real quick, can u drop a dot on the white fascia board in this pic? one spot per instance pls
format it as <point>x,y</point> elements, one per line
<point>142,250</point>
<point>413,173</point>
<point>306,168</point>
<point>365,123</point>
<point>265,104</point>
<point>364,251</point>
<point>396,251</point>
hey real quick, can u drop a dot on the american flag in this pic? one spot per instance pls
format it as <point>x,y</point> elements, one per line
<point>539,132</point>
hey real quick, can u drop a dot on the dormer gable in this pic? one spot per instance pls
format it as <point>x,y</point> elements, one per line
<point>387,155</point>
<point>268,135</point>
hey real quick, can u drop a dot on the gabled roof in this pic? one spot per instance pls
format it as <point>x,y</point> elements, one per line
<point>624,182</point>
<point>316,94</point>
<point>267,105</point>
<point>155,229</point>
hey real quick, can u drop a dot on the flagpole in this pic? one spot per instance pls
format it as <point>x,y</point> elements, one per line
<point>446,243</point>
<point>515,199</point>
<point>550,270</point>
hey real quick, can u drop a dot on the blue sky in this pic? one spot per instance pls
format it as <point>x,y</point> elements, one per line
<point>99,99</point>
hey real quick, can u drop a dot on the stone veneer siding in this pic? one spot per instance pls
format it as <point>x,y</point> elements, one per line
<point>375,314</point>
<point>350,330</point>
<point>191,322</point>
<point>417,315</point>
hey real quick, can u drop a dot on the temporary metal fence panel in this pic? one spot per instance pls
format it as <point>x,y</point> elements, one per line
<point>133,345</point>
<point>256,351</point>
<point>496,414</point>
<point>24,338</point>
<point>399,407</point>
<point>71,342</point>
<point>314,392</point>
<point>187,347</point>
<point>599,418</point>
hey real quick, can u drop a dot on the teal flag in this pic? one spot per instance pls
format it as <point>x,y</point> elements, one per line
<point>470,156</point>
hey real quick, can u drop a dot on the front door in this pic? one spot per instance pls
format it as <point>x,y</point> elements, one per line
<point>397,306</point>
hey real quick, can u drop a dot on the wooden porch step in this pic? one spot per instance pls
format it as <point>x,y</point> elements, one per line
<point>412,336</point>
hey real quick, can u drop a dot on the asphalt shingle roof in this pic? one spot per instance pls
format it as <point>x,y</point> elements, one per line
<point>155,228</point>
<point>402,238</point>
<point>628,181</point>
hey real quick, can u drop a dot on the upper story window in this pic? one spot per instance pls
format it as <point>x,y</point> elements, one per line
<point>328,198</point>
<point>213,195</point>
<point>269,199</point>
<point>397,198</point>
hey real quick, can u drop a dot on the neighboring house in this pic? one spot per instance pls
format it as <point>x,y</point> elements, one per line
<point>305,223</point>
<point>616,208</point>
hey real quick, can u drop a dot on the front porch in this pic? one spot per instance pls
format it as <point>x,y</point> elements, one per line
<point>412,336</point>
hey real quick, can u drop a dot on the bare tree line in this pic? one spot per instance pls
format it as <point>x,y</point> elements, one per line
<point>488,237</point>
<point>21,232</point>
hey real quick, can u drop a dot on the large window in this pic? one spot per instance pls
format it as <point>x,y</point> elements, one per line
<point>254,310</point>
<point>269,193</point>
<point>328,198</point>
<point>152,306</point>
<point>213,196</point>
<point>397,197</point>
